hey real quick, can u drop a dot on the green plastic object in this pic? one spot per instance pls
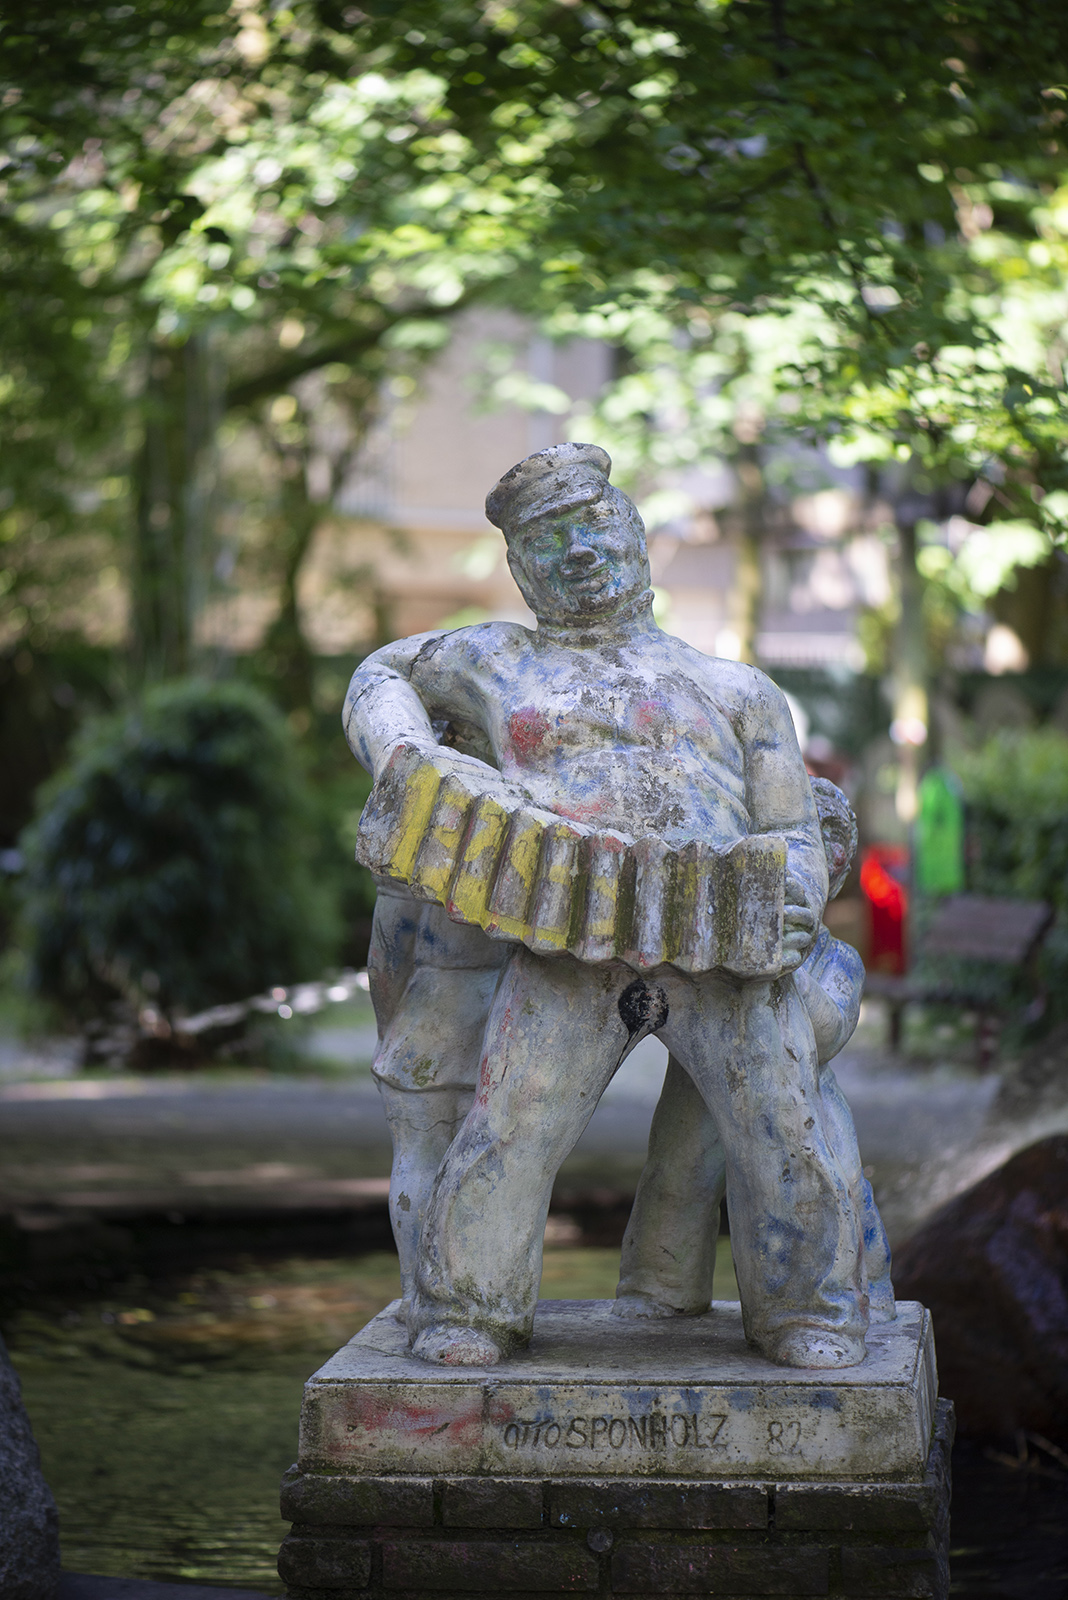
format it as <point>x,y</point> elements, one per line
<point>939,842</point>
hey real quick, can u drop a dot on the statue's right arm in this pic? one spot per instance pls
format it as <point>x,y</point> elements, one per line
<point>395,694</point>
<point>382,708</point>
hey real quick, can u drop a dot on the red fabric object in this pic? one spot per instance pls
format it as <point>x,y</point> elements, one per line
<point>882,875</point>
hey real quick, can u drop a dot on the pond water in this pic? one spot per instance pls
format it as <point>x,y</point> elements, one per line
<point>167,1412</point>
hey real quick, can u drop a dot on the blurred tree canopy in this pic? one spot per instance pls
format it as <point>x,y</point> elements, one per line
<point>197,211</point>
<point>807,220</point>
<point>844,222</point>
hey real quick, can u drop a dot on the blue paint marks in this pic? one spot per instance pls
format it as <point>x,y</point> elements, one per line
<point>780,1244</point>
<point>825,1400</point>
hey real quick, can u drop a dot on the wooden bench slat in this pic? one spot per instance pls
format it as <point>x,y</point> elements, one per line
<point>981,928</point>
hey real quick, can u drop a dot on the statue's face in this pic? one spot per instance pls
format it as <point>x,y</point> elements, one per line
<point>587,562</point>
<point>836,847</point>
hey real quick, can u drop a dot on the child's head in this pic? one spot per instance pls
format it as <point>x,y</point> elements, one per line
<point>838,826</point>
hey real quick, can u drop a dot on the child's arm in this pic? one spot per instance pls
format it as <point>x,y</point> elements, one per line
<point>831,984</point>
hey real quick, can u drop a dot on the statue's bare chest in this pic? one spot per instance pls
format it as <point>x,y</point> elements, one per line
<point>593,709</point>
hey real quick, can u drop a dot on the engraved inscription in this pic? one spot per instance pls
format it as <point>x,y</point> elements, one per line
<point>654,1431</point>
<point>783,1437</point>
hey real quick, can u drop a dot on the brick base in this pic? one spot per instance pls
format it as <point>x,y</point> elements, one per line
<point>408,1538</point>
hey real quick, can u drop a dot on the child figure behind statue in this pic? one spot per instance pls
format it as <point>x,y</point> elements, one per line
<point>669,1250</point>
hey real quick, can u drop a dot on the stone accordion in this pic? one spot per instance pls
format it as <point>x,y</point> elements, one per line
<point>474,843</point>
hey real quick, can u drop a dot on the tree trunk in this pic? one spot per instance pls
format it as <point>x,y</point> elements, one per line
<point>285,645</point>
<point>747,588</point>
<point>910,725</point>
<point>174,504</point>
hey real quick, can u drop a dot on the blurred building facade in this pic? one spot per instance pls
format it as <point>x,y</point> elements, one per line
<point>412,549</point>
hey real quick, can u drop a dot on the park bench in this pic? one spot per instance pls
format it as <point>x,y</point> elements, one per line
<point>970,927</point>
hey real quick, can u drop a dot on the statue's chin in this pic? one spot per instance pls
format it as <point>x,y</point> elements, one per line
<point>570,610</point>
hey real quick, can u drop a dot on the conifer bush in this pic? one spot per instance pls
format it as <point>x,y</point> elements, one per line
<point>177,860</point>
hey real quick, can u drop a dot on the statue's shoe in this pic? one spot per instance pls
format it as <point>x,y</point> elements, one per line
<point>646,1306</point>
<point>449,1346</point>
<point>816,1347</point>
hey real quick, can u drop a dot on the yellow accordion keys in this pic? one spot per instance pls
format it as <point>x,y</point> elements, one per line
<point>472,842</point>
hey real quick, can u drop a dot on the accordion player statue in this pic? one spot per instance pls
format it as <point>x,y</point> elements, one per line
<point>584,834</point>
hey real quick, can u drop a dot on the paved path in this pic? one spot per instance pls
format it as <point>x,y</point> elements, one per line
<point>198,1141</point>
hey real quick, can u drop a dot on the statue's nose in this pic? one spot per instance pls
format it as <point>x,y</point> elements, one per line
<point>581,554</point>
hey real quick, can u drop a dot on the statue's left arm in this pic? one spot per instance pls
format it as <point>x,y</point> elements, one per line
<point>779,800</point>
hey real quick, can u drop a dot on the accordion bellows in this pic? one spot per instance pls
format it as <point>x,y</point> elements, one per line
<point>478,846</point>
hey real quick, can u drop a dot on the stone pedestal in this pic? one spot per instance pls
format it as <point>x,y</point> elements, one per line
<point>621,1458</point>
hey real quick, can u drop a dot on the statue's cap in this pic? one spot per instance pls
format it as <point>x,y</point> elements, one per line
<point>551,481</point>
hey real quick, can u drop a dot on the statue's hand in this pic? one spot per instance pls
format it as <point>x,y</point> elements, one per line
<point>446,760</point>
<point>800,925</point>
<point>423,801</point>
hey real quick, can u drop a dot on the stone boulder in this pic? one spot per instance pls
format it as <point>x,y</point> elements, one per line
<point>992,1265</point>
<point>29,1523</point>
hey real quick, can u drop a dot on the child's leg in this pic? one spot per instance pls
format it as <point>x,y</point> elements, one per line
<point>842,1135</point>
<point>669,1249</point>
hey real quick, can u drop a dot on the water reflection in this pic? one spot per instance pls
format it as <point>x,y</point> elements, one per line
<point>166,1413</point>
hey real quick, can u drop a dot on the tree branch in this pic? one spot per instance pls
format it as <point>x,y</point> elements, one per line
<point>274,379</point>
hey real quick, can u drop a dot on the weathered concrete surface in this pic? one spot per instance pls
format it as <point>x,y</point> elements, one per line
<point>358,1535</point>
<point>596,1394</point>
<point>29,1523</point>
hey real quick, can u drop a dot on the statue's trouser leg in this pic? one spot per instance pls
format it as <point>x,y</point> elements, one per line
<point>553,1039</point>
<point>669,1248</point>
<point>876,1247</point>
<point>426,1067</point>
<point>795,1233</point>
<point>422,1124</point>
<point>391,956</point>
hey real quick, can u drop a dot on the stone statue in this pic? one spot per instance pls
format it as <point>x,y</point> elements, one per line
<point>632,824</point>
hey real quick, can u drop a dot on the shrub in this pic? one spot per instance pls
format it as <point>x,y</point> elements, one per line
<point>174,859</point>
<point>1016,791</point>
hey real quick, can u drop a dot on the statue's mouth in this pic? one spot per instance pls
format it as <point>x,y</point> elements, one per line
<point>587,582</point>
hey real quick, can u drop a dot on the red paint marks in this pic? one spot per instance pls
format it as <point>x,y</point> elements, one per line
<point>528,728</point>
<point>377,1420</point>
<point>652,714</point>
<point>487,1083</point>
<point>594,810</point>
<point>498,1411</point>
